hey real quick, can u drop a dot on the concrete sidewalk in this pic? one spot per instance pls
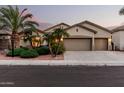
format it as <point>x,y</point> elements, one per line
<point>61,62</point>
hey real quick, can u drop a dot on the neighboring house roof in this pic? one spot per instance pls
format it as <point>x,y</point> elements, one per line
<point>91,30</point>
<point>5,32</point>
<point>56,26</point>
<point>40,31</point>
<point>120,28</point>
<point>93,24</point>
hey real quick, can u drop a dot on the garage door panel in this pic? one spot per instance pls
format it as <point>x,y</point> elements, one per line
<point>101,44</point>
<point>77,44</point>
<point>4,44</point>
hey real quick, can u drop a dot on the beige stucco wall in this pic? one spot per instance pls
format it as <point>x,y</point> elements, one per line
<point>100,33</point>
<point>116,39</point>
<point>81,32</point>
<point>122,40</point>
<point>59,26</point>
<point>24,44</point>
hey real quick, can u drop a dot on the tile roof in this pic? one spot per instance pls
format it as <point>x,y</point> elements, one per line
<point>120,28</point>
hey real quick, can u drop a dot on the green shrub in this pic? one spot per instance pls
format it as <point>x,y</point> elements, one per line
<point>17,52</point>
<point>30,53</point>
<point>25,48</point>
<point>61,48</point>
<point>43,50</point>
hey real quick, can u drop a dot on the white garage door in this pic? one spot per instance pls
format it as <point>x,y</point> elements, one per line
<point>72,44</point>
<point>101,44</point>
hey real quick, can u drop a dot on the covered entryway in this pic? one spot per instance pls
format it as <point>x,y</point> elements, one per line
<point>77,44</point>
<point>101,44</point>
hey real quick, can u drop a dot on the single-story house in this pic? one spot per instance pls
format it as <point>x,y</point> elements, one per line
<point>118,38</point>
<point>85,36</point>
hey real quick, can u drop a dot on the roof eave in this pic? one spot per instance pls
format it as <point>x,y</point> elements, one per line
<point>91,23</point>
<point>118,30</point>
<point>93,31</point>
<point>56,26</point>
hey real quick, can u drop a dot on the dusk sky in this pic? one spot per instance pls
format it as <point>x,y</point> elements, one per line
<point>102,15</point>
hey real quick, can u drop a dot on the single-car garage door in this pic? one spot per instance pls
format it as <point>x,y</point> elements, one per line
<point>4,43</point>
<point>77,44</point>
<point>101,44</point>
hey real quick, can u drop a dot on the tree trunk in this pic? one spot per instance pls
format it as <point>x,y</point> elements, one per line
<point>57,48</point>
<point>12,43</point>
<point>49,45</point>
<point>31,43</point>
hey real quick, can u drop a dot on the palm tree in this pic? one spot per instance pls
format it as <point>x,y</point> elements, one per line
<point>59,34</point>
<point>121,12</point>
<point>48,37</point>
<point>13,20</point>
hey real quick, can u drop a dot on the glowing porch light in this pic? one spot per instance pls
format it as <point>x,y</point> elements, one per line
<point>56,40</point>
<point>37,38</point>
<point>35,41</point>
<point>109,40</point>
<point>61,39</point>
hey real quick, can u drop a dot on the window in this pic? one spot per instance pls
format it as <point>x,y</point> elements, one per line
<point>36,41</point>
<point>77,30</point>
<point>61,27</point>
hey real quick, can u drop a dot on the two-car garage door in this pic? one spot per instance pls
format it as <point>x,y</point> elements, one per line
<point>85,44</point>
<point>77,44</point>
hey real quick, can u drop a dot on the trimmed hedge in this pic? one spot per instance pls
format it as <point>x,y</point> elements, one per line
<point>17,52</point>
<point>43,50</point>
<point>31,53</point>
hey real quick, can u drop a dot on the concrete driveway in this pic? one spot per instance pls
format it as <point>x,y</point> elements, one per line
<point>94,55</point>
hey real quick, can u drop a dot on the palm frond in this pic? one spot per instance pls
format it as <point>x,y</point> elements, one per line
<point>23,11</point>
<point>5,13</point>
<point>31,22</point>
<point>26,17</point>
<point>58,33</point>
<point>121,12</point>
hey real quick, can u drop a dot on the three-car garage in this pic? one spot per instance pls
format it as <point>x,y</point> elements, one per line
<point>85,44</point>
<point>87,36</point>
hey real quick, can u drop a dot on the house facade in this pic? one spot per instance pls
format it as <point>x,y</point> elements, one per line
<point>85,36</point>
<point>118,38</point>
